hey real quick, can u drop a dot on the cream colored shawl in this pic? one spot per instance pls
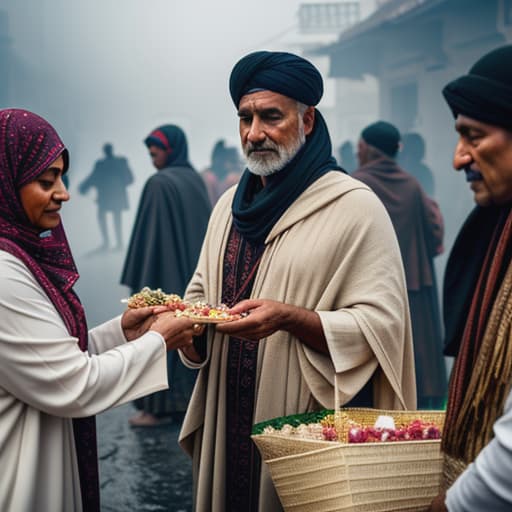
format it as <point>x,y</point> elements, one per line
<point>333,251</point>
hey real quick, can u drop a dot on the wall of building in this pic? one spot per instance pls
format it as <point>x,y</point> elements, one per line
<point>417,59</point>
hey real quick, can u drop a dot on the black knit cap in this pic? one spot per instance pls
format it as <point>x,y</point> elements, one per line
<point>485,93</point>
<point>383,136</point>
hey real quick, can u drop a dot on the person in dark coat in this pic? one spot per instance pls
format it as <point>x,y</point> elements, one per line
<point>347,157</point>
<point>110,177</point>
<point>419,227</point>
<point>167,236</point>
<point>411,158</point>
<point>224,172</point>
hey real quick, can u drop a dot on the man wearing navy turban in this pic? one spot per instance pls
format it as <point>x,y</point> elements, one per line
<point>310,255</point>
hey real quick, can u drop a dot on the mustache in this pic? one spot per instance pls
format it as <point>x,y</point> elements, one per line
<point>251,147</point>
<point>473,175</point>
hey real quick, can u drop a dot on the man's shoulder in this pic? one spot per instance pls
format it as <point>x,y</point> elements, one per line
<point>334,190</point>
<point>339,183</point>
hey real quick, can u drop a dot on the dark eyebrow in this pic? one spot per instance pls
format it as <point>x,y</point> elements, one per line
<point>271,111</point>
<point>263,112</point>
<point>465,129</point>
<point>54,170</point>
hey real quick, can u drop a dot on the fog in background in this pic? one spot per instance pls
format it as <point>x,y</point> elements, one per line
<point>112,70</point>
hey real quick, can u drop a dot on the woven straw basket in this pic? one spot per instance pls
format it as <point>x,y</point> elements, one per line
<point>326,476</point>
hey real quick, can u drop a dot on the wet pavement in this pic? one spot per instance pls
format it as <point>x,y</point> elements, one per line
<point>142,468</point>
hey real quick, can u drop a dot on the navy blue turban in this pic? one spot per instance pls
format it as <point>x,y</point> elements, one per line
<point>281,72</point>
<point>485,93</point>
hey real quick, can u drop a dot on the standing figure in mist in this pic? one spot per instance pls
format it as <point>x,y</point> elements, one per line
<point>224,172</point>
<point>411,158</point>
<point>419,227</point>
<point>347,157</point>
<point>110,177</point>
<point>166,239</point>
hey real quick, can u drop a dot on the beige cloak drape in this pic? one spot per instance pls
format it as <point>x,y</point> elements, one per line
<point>333,251</point>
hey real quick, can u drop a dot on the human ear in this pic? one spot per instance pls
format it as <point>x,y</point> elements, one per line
<point>309,120</point>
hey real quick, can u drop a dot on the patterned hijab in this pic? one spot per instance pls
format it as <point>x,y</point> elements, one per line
<point>28,145</point>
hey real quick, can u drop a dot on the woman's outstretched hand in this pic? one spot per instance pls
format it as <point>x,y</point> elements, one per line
<point>177,332</point>
<point>136,322</point>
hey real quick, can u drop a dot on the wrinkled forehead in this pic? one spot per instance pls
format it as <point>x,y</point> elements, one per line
<point>265,99</point>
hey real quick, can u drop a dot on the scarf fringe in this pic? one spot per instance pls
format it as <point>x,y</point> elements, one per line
<point>489,385</point>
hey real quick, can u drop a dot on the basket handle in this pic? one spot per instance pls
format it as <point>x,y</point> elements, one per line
<point>336,394</point>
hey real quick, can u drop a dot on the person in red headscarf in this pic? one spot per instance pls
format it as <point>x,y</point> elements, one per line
<point>169,228</point>
<point>51,384</point>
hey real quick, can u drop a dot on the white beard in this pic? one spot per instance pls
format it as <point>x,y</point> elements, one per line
<point>277,159</point>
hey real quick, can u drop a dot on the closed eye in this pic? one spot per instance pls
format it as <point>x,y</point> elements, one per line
<point>46,184</point>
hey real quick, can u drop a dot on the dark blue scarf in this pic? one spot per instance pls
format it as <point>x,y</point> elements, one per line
<point>256,210</point>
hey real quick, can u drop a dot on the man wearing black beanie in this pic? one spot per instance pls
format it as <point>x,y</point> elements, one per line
<point>419,228</point>
<point>478,296</point>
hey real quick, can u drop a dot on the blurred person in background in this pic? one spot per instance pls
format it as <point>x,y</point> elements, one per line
<point>224,172</point>
<point>166,239</point>
<point>110,177</point>
<point>347,157</point>
<point>419,228</point>
<point>410,158</point>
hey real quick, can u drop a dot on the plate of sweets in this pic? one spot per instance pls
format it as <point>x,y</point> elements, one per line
<point>199,311</point>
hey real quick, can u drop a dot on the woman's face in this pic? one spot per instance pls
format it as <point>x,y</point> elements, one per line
<point>42,198</point>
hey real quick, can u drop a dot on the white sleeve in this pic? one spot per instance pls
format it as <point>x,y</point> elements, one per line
<point>42,365</point>
<point>487,483</point>
<point>106,336</point>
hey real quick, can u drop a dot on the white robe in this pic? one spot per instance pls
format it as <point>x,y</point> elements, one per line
<point>46,380</point>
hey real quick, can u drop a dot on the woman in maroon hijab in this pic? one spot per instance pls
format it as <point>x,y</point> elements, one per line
<point>50,383</point>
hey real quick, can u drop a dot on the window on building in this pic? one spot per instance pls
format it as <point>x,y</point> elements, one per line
<point>328,17</point>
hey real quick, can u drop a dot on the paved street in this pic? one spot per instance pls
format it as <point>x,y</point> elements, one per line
<point>141,469</point>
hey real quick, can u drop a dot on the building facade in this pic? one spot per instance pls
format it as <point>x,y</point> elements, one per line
<point>412,49</point>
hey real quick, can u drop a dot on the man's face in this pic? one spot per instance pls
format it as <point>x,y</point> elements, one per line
<point>158,157</point>
<point>272,130</point>
<point>484,151</point>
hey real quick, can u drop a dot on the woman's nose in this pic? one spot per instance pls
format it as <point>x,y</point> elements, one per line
<point>61,192</point>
